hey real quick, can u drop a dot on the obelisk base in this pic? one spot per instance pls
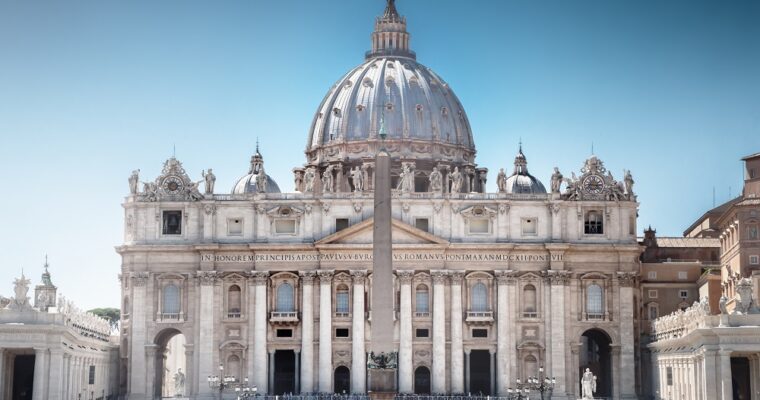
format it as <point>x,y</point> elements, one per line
<point>382,383</point>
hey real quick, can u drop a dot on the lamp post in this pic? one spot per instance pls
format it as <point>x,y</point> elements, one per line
<point>541,384</point>
<point>222,383</point>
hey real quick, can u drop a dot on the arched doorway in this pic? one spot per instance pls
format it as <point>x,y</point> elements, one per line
<point>342,382</point>
<point>596,355</point>
<point>171,365</point>
<point>422,380</point>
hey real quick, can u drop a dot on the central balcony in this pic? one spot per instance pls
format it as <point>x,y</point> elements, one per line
<point>479,317</point>
<point>283,317</point>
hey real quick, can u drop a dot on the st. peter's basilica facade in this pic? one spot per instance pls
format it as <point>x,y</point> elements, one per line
<point>274,286</point>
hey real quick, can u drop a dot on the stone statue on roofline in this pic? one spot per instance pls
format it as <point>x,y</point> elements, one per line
<point>556,180</point>
<point>210,179</point>
<point>20,302</point>
<point>134,181</point>
<point>436,181</point>
<point>308,178</point>
<point>357,177</point>
<point>501,180</point>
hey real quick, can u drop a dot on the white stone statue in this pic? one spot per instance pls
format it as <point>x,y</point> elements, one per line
<point>556,180</point>
<point>722,305</point>
<point>743,296</point>
<point>456,181</point>
<point>210,179</point>
<point>192,191</point>
<point>406,179</point>
<point>436,181</point>
<point>501,180</point>
<point>179,383</point>
<point>21,288</point>
<point>588,385</point>
<point>261,180</point>
<point>357,176</point>
<point>327,180</point>
<point>628,181</point>
<point>134,180</point>
<point>308,178</point>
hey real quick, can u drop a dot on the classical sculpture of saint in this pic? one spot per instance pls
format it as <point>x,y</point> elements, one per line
<point>406,179</point>
<point>628,180</point>
<point>357,176</point>
<point>261,181</point>
<point>501,180</point>
<point>134,180</point>
<point>308,178</point>
<point>327,180</point>
<point>21,288</point>
<point>298,181</point>
<point>556,180</point>
<point>588,385</point>
<point>192,191</point>
<point>210,179</point>
<point>722,304</point>
<point>179,383</point>
<point>456,181</point>
<point>436,181</point>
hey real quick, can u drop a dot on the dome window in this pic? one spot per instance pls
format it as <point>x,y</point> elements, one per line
<point>389,106</point>
<point>360,107</point>
<point>367,82</point>
<point>418,107</point>
<point>414,81</point>
<point>389,80</point>
<point>444,111</point>
<point>336,112</point>
<point>391,65</point>
<point>348,84</point>
<point>407,66</point>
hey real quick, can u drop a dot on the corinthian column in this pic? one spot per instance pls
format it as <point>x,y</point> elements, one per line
<point>260,373</point>
<point>206,366</point>
<point>405,373</point>
<point>307,332</point>
<point>457,348</point>
<point>439,331</point>
<point>358,363</point>
<point>325,331</point>
<point>503,332</point>
<point>137,379</point>
<point>558,281</point>
<point>40,375</point>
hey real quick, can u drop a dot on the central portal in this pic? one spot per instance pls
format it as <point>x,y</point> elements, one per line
<point>480,372</point>
<point>284,372</point>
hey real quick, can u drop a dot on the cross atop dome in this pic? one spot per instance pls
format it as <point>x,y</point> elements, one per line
<point>390,37</point>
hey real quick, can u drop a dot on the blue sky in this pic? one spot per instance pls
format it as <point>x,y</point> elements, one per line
<point>90,90</point>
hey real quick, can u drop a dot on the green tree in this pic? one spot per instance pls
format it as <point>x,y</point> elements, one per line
<point>110,314</point>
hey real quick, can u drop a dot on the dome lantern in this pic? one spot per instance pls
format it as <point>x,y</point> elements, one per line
<point>390,37</point>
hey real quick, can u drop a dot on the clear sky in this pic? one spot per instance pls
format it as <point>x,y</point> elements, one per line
<point>90,90</point>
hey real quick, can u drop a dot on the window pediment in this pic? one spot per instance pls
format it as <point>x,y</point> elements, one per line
<point>479,211</point>
<point>285,212</point>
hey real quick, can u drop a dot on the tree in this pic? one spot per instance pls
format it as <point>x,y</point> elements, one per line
<point>110,314</point>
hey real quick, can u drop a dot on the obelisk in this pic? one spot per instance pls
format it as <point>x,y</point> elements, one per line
<point>383,366</point>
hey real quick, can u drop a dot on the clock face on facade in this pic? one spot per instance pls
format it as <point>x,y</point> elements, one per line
<point>172,184</point>
<point>593,184</point>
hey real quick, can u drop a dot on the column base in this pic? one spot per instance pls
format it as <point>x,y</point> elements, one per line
<point>382,395</point>
<point>382,382</point>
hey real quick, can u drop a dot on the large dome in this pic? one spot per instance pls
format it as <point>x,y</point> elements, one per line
<point>421,115</point>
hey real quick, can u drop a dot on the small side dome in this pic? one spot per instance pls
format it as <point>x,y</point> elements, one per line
<point>521,182</point>
<point>256,181</point>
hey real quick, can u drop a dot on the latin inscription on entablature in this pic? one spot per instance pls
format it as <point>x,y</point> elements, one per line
<point>367,256</point>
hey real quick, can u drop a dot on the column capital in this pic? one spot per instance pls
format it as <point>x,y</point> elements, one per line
<point>627,279</point>
<point>359,276</point>
<point>139,278</point>
<point>439,276</point>
<point>307,277</point>
<point>207,278</point>
<point>325,276</point>
<point>405,276</point>
<point>258,278</point>
<point>456,277</point>
<point>557,278</point>
<point>722,353</point>
<point>505,277</point>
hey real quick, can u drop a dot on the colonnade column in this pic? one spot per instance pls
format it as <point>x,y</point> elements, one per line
<point>260,375</point>
<point>503,332</point>
<point>55,387</point>
<point>727,391</point>
<point>457,348</point>
<point>40,378</point>
<point>405,366</point>
<point>358,353</point>
<point>137,378</point>
<point>205,343</point>
<point>307,332</point>
<point>711,387</point>
<point>325,331</point>
<point>439,331</point>
<point>627,281</point>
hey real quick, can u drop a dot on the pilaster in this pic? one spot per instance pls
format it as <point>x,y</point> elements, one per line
<point>405,351</point>
<point>358,358</point>
<point>325,331</point>
<point>457,346</point>
<point>307,331</point>
<point>439,331</point>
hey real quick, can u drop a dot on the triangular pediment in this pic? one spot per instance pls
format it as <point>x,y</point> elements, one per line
<point>402,233</point>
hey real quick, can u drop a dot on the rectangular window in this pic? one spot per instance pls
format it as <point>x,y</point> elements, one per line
<point>594,223</point>
<point>682,275</point>
<point>172,223</point>
<point>341,303</point>
<point>235,226</point>
<point>653,312</point>
<point>752,232</point>
<point>752,173</point>
<point>479,225</point>
<point>284,333</point>
<point>480,333</point>
<point>421,224</point>
<point>341,224</point>
<point>422,333</point>
<point>632,226</point>
<point>652,275</point>
<point>341,332</point>
<point>683,294</point>
<point>754,260</point>
<point>285,226</point>
<point>652,293</point>
<point>529,227</point>
<point>669,374</point>
<point>91,378</point>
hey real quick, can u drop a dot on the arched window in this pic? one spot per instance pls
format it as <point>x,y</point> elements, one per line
<point>170,304</point>
<point>285,300</point>
<point>594,302</point>
<point>422,300</point>
<point>529,301</point>
<point>654,311</point>
<point>479,297</point>
<point>594,224</point>
<point>233,367</point>
<point>341,301</point>
<point>233,301</point>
